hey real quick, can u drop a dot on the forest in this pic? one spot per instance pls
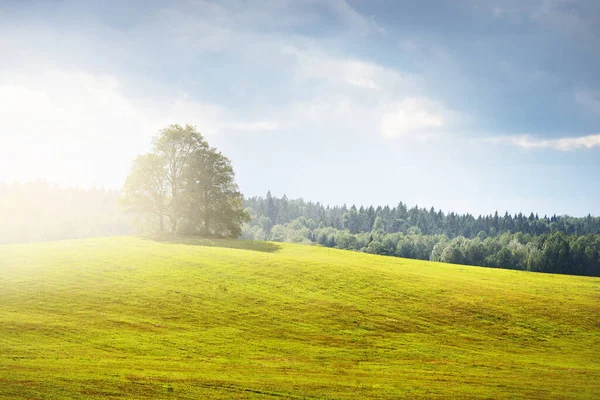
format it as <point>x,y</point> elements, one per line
<point>556,244</point>
<point>39,211</point>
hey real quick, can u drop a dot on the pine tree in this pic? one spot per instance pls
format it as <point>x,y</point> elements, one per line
<point>270,210</point>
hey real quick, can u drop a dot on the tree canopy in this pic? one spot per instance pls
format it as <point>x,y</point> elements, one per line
<point>186,184</point>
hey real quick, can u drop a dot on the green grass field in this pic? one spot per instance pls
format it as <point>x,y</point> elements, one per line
<point>137,318</point>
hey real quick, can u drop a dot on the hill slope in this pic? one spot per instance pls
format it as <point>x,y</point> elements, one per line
<point>136,318</point>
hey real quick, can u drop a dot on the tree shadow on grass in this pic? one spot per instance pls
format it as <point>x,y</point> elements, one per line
<point>252,245</point>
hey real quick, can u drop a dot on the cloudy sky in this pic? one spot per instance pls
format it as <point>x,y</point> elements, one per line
<point>465,105</point>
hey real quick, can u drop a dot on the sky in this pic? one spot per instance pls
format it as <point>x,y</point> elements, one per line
<point>463,105</point>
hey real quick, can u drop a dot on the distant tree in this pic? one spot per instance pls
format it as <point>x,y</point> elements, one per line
<point>270,210</point>
<point>283,214</point>
<point>378,224</point>
<point>351,220</point>
<point>414,230</point>
<point>376,247</point>
<point>555,254</point>
<point>453,253</point>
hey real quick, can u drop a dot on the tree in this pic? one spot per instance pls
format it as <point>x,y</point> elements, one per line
<point>271,211</point>
<point>187,181</point>
<point>283,215</point>
<point>176,146</point>
<point>351,220</point>
<point>555,254</point>
<point>378,224</point>
<point>213,203</point>
<point>145,192</point>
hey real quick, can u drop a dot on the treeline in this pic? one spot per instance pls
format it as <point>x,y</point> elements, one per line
<point>269,211</point>
<point>557,249</point>
<point>39,211</point>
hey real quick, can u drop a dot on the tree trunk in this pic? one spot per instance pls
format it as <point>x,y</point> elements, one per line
<point>206,214</point>
<point>174,204</point>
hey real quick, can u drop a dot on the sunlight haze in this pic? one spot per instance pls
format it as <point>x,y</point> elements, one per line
<point>470,106</point>
<point>300,199</point>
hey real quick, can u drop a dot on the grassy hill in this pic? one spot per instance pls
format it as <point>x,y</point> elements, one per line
<point>136,318</point>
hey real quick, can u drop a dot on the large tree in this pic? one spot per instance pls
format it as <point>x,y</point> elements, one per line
<point>188,182</point>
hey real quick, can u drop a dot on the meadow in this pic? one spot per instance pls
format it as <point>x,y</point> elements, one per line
<point>138,318</point>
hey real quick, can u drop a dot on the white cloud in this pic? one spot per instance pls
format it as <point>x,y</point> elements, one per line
<point>560,144</point>
<point>336,113</point>
<point>80,128</point>
<point>260,126</point>
<point>72,104</point>
<point>413,116</point>
<point>316,64</point>
<point>351,94</point>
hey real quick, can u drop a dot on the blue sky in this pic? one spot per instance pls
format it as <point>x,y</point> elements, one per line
<point>465,105</point>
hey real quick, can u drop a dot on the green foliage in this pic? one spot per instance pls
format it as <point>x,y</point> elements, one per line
<point>556,253</point>
<point>190,318</point>
<point>189,183</point>
<point>425,221</point>
<point>430,235</point>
